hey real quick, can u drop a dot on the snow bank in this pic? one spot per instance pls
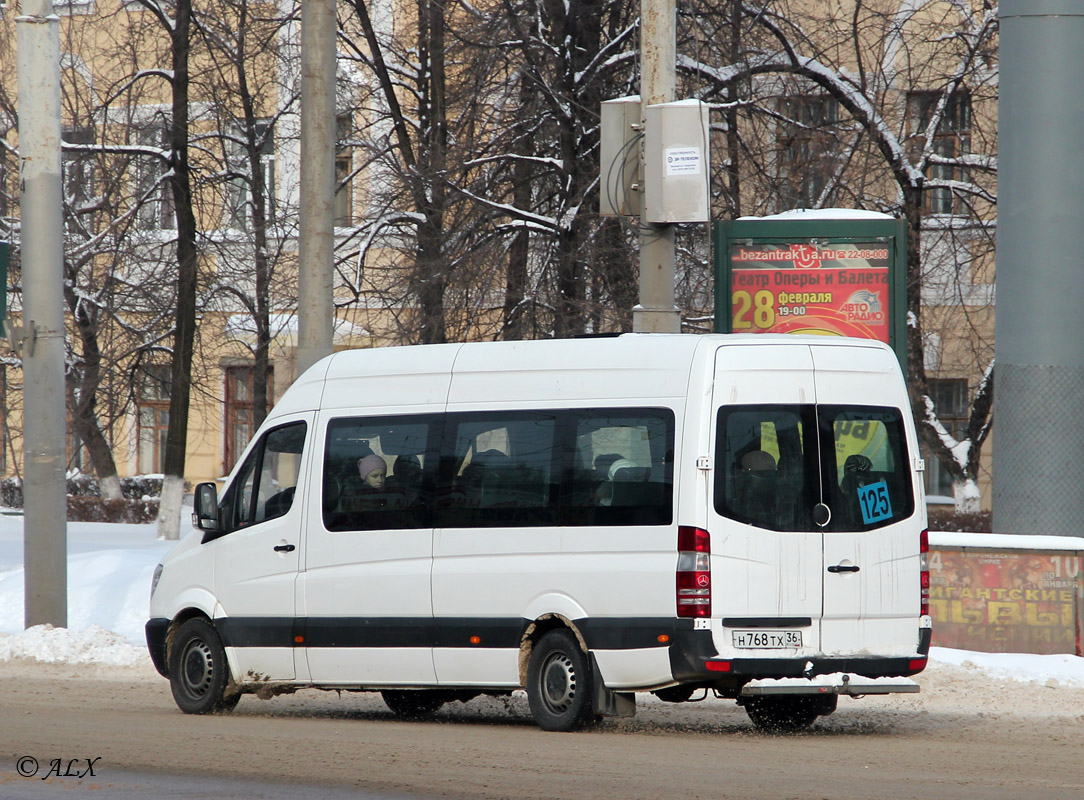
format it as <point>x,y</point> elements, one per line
<point>109,589</point>
<point>1051,671</point>
<point>94,645</point>
<point>109,580</point>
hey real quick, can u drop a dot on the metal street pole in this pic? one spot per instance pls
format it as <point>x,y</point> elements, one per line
<point>45,557</point>
<point>656,310</point>
<point>1039,378</point>
<point>315,304</point>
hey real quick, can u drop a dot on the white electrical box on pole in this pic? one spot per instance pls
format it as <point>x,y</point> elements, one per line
<point>41,240</point>
<point>677,163</point>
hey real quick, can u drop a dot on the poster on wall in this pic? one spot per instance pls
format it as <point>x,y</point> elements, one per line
<point>839,289</point>
<point>1015,602</point>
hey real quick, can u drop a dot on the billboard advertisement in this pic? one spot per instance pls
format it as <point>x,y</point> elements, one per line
<point>840,290</point>
<point>1007,602</point>
<point>834,273</point>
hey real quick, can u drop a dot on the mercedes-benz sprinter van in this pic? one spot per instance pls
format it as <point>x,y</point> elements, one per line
<point>583,519</point>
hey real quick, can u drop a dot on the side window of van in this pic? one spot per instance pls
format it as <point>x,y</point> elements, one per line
<point>266,484</point>
<point>622,470</point>
<point>497,469</point>
<point>378,473</point>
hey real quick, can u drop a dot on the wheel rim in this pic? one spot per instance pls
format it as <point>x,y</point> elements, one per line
<point>197,668</point>
<point>558,683</point>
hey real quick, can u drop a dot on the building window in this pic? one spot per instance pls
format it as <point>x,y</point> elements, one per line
<point>808,150</point>
<point>239,201</point>
<point>153,415</point>
<point>78,174</point>
<point>949,396</point>
<point>78,455</point>
<point>951,140</point>
<point>72,6</point>
<point>344,195</point>
<point>152,190</point>
<point>239,410</point>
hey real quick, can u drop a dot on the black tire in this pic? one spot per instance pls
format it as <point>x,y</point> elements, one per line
<point>559,684</point>
<point>787,714</point>
<point>198,671</point>
<point>413,703</point>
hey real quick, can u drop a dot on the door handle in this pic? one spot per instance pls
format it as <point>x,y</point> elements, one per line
<point>289,548</point>
<point>835,569</point>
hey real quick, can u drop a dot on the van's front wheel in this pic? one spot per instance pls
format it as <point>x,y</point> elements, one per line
<point>198,672</point>
<point>559,683</point>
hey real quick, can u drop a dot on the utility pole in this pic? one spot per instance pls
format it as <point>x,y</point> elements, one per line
<point>316,243</point>
<point>656,311</point>
<point>41,237</point>
<point>1039,378</point>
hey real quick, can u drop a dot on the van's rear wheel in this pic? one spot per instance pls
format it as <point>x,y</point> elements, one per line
<point>413,703</point>
<point>788,714</point>
<point>198,672</point>
<point>559,683</point>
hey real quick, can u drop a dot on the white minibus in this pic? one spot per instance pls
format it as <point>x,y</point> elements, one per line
<point>583,519</point>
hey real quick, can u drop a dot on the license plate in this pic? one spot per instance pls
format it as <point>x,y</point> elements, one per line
<point>766,640</point>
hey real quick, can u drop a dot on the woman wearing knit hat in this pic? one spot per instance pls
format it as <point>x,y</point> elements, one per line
<point>373,470</point>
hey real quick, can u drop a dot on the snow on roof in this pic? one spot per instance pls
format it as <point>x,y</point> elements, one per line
<point>1005,541</point>
<point>824,213</point>
<point>284,329</point>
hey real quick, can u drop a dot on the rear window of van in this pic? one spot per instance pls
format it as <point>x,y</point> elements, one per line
<point>775,463</point>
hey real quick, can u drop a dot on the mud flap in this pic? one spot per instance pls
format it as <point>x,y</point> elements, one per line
<point>607,702</point>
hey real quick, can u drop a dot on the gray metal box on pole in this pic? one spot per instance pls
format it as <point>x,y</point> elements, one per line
<point>619,149</point>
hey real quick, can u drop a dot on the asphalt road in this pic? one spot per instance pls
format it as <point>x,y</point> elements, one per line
<point>962,737</point>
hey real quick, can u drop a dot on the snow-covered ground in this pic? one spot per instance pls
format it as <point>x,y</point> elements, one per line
<point>109,578</point>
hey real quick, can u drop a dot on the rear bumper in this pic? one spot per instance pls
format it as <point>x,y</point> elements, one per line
<point>156,643</point>
<point>694,659</point>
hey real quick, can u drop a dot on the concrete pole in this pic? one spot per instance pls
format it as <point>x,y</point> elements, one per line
<point>656,310</point>
<point>1039,377</point>
<point>45,556</point>
<point>315,305</point>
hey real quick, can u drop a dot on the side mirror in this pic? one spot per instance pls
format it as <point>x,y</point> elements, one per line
<point>205,514</point>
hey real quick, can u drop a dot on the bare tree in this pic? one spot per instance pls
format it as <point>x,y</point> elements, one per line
<point>568,271</point>
<point>417,152</point>
<point>243,43</point>
<point>901,76</point>
<point>175,25</point>
<point>110,321</point>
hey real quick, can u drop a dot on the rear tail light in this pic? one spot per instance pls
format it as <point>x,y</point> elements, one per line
<point>693,572</point>
<point>924,574</point>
